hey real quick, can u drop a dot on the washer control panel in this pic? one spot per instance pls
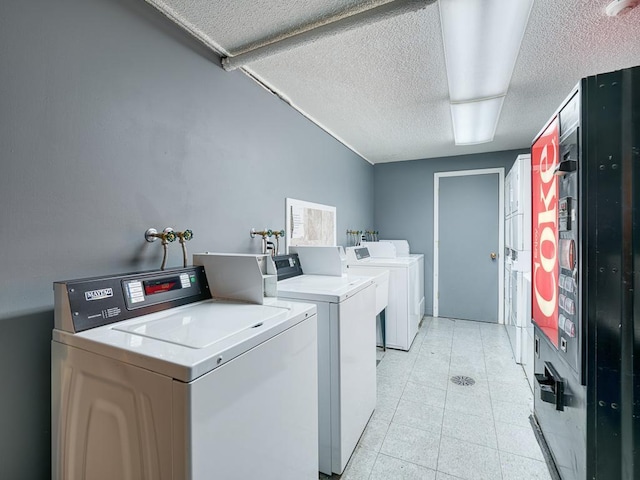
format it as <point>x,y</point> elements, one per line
<point>94,302</point>
<point>287,266</point>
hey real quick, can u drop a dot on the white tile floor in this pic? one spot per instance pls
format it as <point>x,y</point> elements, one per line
<point>426,427</point>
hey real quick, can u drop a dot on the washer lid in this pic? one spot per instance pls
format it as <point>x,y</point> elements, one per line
<point>384,262</point>
<point>322,288</point>
<point>187,342</point>
<point>198,328</point>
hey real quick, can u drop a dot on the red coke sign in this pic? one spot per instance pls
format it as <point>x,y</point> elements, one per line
<point>544,232</point>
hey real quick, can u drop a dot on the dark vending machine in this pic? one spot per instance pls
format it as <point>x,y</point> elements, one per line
<point>586,279</point>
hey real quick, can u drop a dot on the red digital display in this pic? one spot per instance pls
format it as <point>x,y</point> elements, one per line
<point>152,287</point>
<point>544,232</point>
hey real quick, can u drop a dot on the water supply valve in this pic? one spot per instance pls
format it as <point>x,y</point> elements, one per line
<point>267,246</point>
<point>167,236</point>
<point>184,237</point>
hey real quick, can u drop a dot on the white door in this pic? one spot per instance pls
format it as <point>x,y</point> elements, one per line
<point>468,245</point>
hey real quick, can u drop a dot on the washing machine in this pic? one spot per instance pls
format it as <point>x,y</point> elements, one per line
<point>332,261</point>
<point>406,288</point>
<point>402,250</point>
<point>154,379</point>
<point>346,354</point>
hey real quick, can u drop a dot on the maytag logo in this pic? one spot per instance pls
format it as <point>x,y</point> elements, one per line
<point>98,294</point>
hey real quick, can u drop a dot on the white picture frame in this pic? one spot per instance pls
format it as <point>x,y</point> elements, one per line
<point>308,223</point>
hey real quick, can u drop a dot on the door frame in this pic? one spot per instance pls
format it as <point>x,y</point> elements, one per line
<point>436,233</point>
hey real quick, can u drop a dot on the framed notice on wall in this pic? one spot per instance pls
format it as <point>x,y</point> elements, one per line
<point>309,223</point>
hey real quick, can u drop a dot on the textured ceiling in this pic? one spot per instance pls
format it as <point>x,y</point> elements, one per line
<point>381,89</point>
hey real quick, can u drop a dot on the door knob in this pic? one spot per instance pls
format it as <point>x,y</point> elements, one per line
<point>493,255</point>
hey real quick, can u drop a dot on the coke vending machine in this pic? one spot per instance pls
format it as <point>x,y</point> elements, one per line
<point>585,179</point>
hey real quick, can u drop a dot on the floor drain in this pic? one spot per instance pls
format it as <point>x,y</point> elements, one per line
<point>463,381</point>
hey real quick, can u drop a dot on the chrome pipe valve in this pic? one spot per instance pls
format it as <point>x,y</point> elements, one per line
<point>167,236</point>
<point>184,237</point>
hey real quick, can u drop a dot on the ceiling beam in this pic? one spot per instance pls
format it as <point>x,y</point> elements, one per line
<point>323,29</point>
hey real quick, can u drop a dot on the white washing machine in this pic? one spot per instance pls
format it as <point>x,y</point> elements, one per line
<point>346,355</point>
<point>153,379</point>
<point>330,260</point>
<point>406,288</point>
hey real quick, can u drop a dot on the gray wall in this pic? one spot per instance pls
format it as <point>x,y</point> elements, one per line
<point>404,200</point>
<point>112,121</point>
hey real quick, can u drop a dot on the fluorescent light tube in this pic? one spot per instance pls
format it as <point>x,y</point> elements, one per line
<point>481,43</point>
<point>475,122</point>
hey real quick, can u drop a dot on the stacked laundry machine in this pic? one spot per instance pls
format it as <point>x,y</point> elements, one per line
<point>517,264</point>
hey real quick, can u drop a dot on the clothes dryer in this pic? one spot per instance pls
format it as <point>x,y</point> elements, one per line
<point>346,354</point>
<point>517,275</point>
<point>153,379</point>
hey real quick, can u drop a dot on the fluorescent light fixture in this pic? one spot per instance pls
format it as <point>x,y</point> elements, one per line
<point>475,122</point>
<point>481,43</point>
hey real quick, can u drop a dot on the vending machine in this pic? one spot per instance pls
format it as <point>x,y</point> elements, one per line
<point>585,267</point>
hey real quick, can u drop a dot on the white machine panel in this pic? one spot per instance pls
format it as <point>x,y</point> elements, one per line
<point>323,260</point>
<point>109,419</point>
<point>353,386</point>
<point>381,281</point>
<point>346,375</point>
<point>518,236</point>
<point>235,276</point>
<point>270,390</point>
<point>322,288</point>
<point>346,357</point>
<point>402,247</point>
<point>419,276</point>
<point>517,267</point>
<point>508,235</point>
<point>381,249</point>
